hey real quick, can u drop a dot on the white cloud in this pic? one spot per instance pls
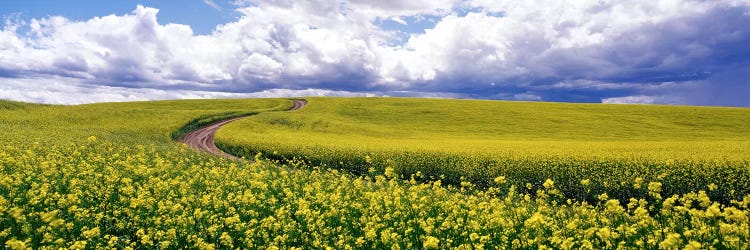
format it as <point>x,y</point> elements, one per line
<point>399,20</point>
<point>644,99</point>
<point>265,45</point>
<point>531,50</point>
<point>641,99</point>
<point>72,91</point>
<point>395,8</point>
<point>362,8</point>
<point>557,39</point>
<point>212,4</point>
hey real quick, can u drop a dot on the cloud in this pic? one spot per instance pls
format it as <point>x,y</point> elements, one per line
<point>73,91</point>
<point>361,8</point>
<point>642,99</point>
<point>395,8</point>
<point>212,4</point>
<point>554,42</point>
<point>662,51</point>
<point>399,20</point>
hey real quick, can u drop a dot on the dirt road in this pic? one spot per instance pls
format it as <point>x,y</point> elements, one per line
<point>202,139</point>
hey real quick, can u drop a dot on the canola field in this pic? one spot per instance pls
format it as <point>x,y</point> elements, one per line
<point>111,176</point>
<point>685,148</point>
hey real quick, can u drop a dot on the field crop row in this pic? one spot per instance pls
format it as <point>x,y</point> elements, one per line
<point>611,176</point>
<point>685,148</point>
<point>109,176</point>
<point>98,194</point>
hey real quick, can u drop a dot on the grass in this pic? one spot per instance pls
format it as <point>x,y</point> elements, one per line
<point>686,147</point>
<point>492,126</point>
<point>133,122</point>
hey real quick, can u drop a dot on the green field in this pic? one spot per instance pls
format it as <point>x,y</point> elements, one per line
<point>131,123</point>
<point>686,148</point>
<point>110,175</point>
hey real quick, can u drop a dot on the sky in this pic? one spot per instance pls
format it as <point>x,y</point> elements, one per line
<point>683,52</point>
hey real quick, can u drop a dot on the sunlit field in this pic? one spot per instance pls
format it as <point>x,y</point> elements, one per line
<point>374,173</point>
<point>685,148</point>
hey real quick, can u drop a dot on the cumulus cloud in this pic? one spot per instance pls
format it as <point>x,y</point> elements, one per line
<point>658,51</point>
<point>539,45</point>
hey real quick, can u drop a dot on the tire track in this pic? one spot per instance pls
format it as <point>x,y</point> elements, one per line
<point>202,139</point>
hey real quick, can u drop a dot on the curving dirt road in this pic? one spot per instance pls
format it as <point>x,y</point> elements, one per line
<point>202,139</point>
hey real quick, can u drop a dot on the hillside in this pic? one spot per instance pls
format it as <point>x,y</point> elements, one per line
<point>498,126</point>
<point>528,142</point>
<point>110,175</point>
<point>129,122</point>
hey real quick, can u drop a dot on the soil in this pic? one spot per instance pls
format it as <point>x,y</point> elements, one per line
<point>202,139</point>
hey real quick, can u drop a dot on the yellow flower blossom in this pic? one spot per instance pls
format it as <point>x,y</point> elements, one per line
<point>585,182</point>
<point>548,184</point>
<point>431,243</point>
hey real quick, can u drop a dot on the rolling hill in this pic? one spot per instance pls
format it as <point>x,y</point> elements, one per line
<point>370,173</point>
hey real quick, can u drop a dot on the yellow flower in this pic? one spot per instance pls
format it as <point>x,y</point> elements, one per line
<point>91,233</point>
<point>638,182</point>
<point>15,244</point>
<point>389,172</point>
<point>672,241</point>
<point>604,233</point>
<point>693,245</point>
<point>164,244</point>
<point>654,189</point>
<point>226,240</point>
<point>79,245</point>
<point>431,243</point>
<point>603,197</point>
<point>613,206</point>
<point>713,211</point>
<point>585,182</point>
<point>112,241</point>
<point>548,184</point>
<point>360,241</point>
<point>500,180</point>
<point>473,236</point>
